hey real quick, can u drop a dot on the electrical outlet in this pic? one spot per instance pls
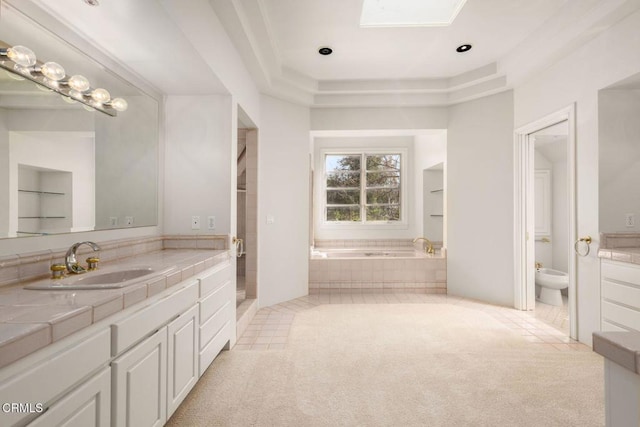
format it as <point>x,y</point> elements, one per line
<point>629,220</point>
<point>195,222</point>
<point>211,222</point>
<point>113,220</point>
<point>270,219</point>
<point>128,220</point>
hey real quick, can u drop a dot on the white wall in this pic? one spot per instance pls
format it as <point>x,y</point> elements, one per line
<point>577,78</point>
<point>480,199</point>
<point>378,118</point>
<point>619,130</point>
<point>199,132</point>
<point>283,194</point>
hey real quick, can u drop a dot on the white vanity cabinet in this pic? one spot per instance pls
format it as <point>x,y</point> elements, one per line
<point>182,358</point>
<point>132,369</point>
<point>63,380</point>
<point>620,293</point>
<point>86,406</point>
<point>139,379</point>
<point>217,313</point>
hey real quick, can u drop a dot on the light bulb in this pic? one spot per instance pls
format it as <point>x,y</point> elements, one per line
<point>22,56</point>
<point>100,95</point>
<point>119,104</point>
<point>53,71</point>
<point>67,99</point>
<point>75,94</point>
<point>79,83</point>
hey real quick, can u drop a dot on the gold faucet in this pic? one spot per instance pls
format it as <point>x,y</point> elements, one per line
<point>428,247</point>
<point>538,265</point>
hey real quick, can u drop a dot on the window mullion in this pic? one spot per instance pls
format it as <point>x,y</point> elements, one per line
<point>363,188</point>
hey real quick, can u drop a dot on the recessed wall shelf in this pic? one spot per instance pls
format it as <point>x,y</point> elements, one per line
<point>41,192</point>
<point>436,215</point>
<point>439,190</point>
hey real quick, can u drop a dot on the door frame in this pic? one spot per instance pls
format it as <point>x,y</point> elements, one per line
<point>524,236</point>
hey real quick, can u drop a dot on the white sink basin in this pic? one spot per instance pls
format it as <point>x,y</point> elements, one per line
<point>92,280</point>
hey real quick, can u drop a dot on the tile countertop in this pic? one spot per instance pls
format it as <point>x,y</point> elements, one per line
<point>631,255</point>
<point>620,347</point>
<point>33,319</point>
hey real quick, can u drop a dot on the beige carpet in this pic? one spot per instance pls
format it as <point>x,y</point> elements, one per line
<point>399,365</point>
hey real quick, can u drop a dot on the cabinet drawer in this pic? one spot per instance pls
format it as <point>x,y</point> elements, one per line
<point>88,405</point>
<point>621,272</point>
<point>211,327</point>
<point>214,347</point>
<point>135,327</point>
<point>215,279</point>
<point>621,315</point>
<point>625,294</point>
<point>606,326</point>
<point>55,375</point>
<point>213,302</point>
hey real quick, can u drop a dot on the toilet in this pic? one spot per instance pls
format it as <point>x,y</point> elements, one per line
<point>551,282</point>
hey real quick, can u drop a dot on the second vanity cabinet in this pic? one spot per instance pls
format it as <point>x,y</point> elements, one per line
<point>620,296</point>
<point>133,369</point>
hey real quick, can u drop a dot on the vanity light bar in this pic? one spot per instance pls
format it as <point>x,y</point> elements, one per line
<point>22,62</point>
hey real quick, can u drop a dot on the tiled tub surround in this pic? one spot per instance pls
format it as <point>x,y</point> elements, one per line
<point>397,266</point>
<point>33,319</point>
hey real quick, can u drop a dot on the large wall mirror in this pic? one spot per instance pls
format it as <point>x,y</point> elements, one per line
<point>64,168</point>
<point>619,160</point>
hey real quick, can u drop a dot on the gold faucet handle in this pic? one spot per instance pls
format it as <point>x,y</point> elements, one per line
<point>57,271</point>
<point>92,263</point>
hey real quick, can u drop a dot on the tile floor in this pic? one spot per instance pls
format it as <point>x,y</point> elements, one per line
<point>555,316</point>
<point>269,329</point>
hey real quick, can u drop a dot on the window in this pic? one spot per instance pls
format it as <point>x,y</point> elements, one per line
<point>362,187</point>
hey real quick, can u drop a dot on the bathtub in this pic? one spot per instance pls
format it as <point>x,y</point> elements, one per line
<point>400,268</point>
<point>362,253</point>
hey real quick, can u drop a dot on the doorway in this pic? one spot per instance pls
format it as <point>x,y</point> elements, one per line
<point>538,229</point>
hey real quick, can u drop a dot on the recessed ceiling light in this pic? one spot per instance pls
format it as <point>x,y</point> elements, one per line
<point>409,13</point>
<point>464,48</point>
<point>92,2</point>
<point>325,51</point>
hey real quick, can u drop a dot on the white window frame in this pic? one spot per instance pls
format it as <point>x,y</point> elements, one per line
<point>403,223</point>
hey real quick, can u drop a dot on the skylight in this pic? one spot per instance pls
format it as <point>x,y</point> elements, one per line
<point>409,13</point>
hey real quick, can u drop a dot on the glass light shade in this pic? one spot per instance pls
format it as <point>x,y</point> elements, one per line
<point>100,95</point>
<point>68,99</point>
<point>79,83</point>
<point>86,107</point>
<point>22,56</point>
<point>52,71</point>
<point>119,104</point>
<point>75,94</point>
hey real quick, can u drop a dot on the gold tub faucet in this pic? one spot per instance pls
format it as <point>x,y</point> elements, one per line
<point>428,246</point>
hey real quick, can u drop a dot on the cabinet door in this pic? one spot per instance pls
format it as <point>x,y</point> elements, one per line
<point>182,358</point>
<point>139,376</point>
<point>86,406</point>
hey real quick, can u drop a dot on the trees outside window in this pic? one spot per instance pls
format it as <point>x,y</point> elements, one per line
<point>363,187</point>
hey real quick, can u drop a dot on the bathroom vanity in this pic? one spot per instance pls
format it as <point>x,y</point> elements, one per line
<point>619,282</point>
<point>120,357</point>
